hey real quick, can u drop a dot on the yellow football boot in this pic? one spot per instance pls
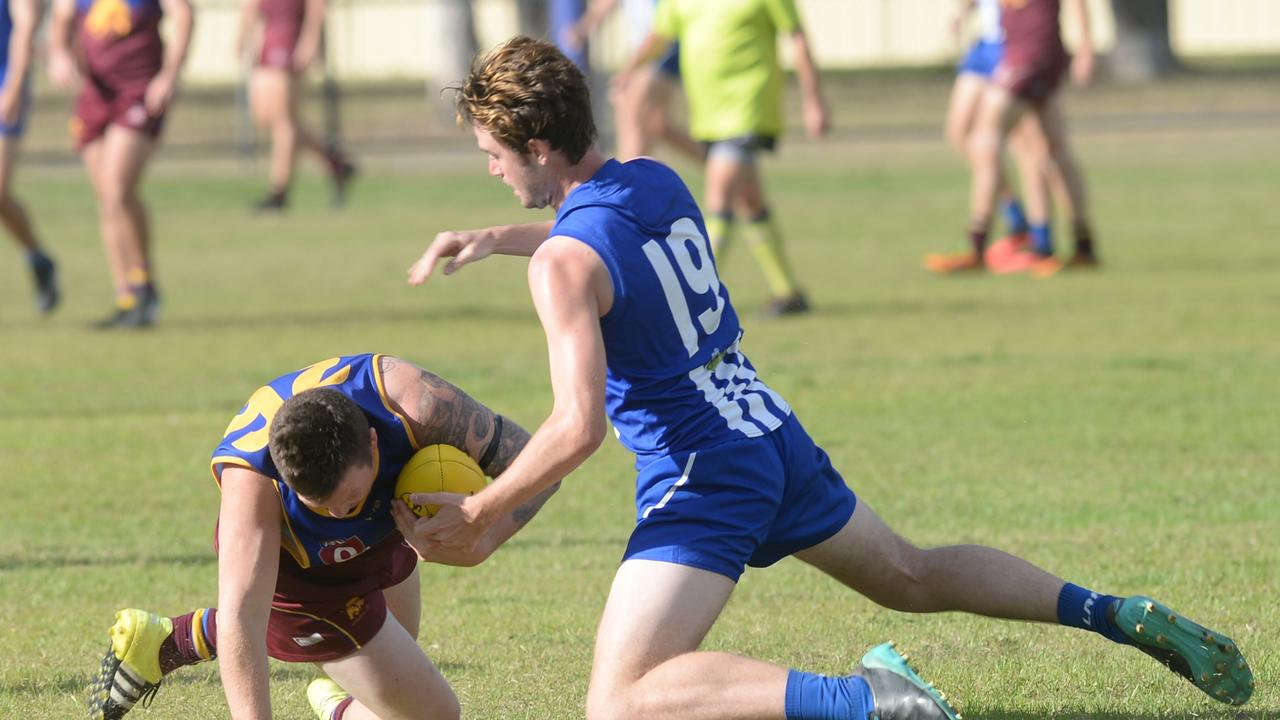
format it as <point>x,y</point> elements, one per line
<point>325,695</point>
<point>130,670</point>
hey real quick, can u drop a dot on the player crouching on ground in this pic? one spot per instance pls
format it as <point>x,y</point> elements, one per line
<point>322,446</point>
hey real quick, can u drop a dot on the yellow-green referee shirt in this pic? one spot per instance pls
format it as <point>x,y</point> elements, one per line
<point>729,62</point>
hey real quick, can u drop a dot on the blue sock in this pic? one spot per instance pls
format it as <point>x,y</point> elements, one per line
<point>1014,217</point>
<point>1085,609</point>
<point>1042,240</point>
<point>822,697</point>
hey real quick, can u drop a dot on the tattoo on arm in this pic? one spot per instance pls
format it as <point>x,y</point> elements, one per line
<point>386,364</point>
<point>445,414</point>
<point>525,512</point>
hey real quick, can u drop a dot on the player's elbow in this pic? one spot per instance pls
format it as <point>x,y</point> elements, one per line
<point>586,439</point>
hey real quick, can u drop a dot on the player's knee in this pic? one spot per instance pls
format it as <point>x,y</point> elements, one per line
<point>444,707</point>
<point>905,588</point>
<point>112,201</point>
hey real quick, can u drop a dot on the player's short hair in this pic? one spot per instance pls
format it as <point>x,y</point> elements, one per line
<point>526,89</point>
<point>317,436</point>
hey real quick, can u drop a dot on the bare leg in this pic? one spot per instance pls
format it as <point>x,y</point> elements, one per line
<point>12,214</point>
<point>633,109</point>
<point>115,163</point>
<point>1055,131</point>
<point>966,94</point>
<point>304,137</point>
<point>647,664</point>
<point>124,156</point>
<point>722,177</point>
<point>997,115</point>
<point>390,677</point>
<point>1030,151</point>
<point>870,558</point>
<point>660,94</point>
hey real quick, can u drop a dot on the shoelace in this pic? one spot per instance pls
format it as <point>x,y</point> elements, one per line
<point>147,695</point>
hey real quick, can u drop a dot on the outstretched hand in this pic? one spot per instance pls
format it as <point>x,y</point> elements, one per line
<point>462,247</point>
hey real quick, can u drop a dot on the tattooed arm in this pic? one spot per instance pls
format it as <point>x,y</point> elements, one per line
<point>440,412</point>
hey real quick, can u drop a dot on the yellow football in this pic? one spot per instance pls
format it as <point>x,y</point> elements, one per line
<point>438,468</point>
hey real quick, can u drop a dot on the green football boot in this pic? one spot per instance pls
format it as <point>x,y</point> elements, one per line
<point>1209,660</point>
<point>130,670</point>
<point>898,691</point>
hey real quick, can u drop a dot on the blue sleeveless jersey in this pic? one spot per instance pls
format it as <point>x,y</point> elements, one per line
<point>676,378</point>
<point>312,539</point>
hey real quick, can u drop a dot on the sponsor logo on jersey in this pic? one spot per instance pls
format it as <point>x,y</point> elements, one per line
<point>340,551</point>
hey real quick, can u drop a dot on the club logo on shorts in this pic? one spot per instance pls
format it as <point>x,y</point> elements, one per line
<point>340,551</point>
<point>309,640</point>
<point>355,608</point>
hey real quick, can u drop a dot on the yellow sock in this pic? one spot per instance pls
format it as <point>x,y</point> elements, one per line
<point>720,233</point>
<point>766,244</point>
<point>138,276</point>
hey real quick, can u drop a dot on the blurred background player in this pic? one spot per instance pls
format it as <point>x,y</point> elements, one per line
<point>1027,143</point>
<point>128,80</point>
<point>290,41</point>
<point>18,21</point>
<point>562,17</point>
<point>1026,82</point>
<point>642,108</point>
<point>322,445</point>
<point>734,91</point>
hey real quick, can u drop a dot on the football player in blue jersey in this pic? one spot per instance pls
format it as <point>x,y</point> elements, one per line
<point>640,329</point>
<point>18,22</point>
<point>312,566</point>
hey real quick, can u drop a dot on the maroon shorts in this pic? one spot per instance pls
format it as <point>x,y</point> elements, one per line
<point>101,105</point>
<point>327,613</point>
<point>1033,80</point>
<point>278,44</point>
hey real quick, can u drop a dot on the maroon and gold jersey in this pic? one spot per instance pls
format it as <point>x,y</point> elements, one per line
<point>1031,30</point>
<point>120,41</point>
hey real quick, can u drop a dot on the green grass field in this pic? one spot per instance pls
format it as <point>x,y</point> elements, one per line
<point>1118,428</point>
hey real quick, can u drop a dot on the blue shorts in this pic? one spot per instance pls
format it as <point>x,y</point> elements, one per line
<point>981,59</point>
<point>748,502</point>
<point>669,63</point>
<point>15,129</point>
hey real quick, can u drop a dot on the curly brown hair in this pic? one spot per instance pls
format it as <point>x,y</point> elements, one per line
<point>526,89</point>
<point>317,436</point>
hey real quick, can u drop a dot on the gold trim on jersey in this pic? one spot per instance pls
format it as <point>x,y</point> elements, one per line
<point>291,543</point>
<point>386,401</point>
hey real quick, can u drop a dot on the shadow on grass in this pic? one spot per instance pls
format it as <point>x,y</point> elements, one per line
<point>1215,712</point>
<point>43,563</point>
<point>314,318</point>
<point>77,685</point>
<point>909,307</point>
